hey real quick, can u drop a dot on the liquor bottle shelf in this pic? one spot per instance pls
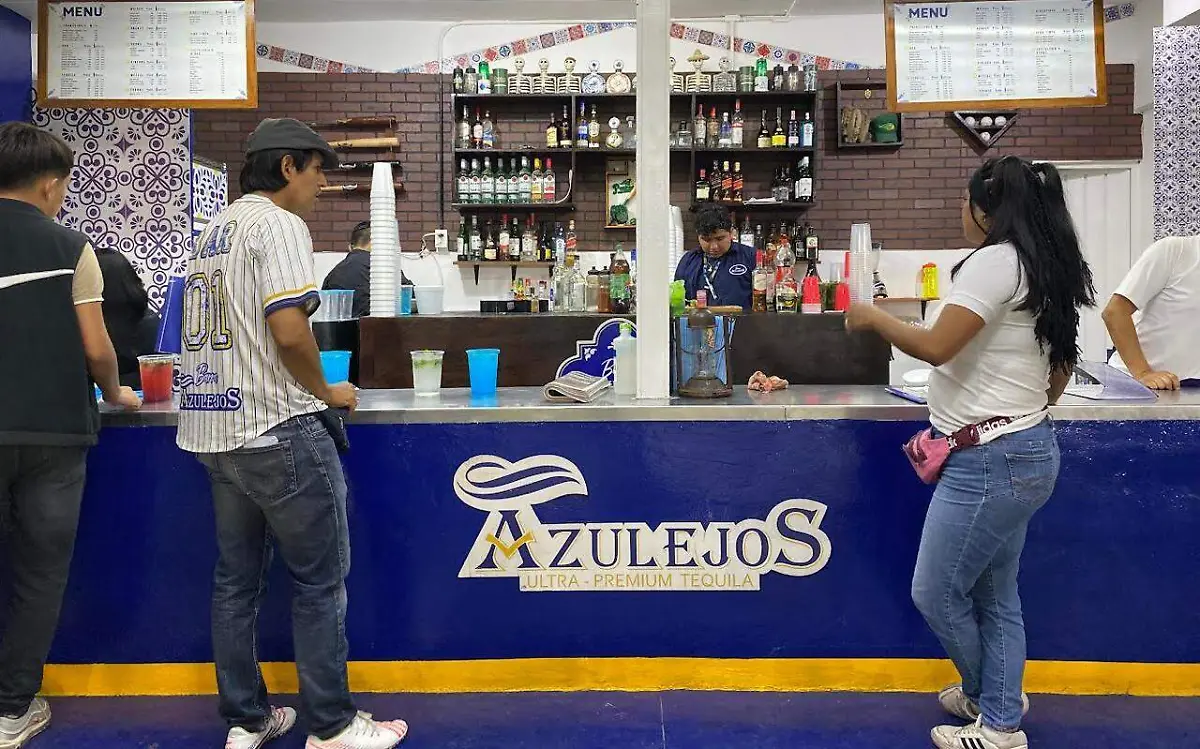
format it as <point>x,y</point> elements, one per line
<point>512,264</point>
<point>788,149</point>
<point>791,205</point>
<point>750,95</point>
<point>502,207</point>
<point>542,150</point>
<point>519,150</point>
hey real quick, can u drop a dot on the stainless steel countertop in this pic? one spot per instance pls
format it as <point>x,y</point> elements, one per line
<point>800,403</point>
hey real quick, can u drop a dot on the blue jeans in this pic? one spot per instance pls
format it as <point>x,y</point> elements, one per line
<point>291,493</point>
<point>965,583</point>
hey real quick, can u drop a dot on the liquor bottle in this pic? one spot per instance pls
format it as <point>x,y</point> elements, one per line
<point>787,290</point>
<point>739,184</point>
<point>725,138</point>
<point>762,83</point>
<point>726,183</point>
<point>464,242</point>
<point>525,183</point>
<point>759,238</point>
<point>746,236</point>
<point>570,239</point>
<point>549,183</point>
<point>812,248</point>
<point>489,130</point>
<point>793,131</point>
<point>485,77</point>
<point>463,183</point>
<point>529,243</point>
<point>581,127</point>
<point>807,131</point>
<point>758,295</point>
<point>535,182</point>
<point>514,238</point>
<point>630,142</point>
<point>560,243</point>
<point>477,131</point>
<point>764,135</point>
<point>778,76</point>
<point>514,181</point>
<point>476,240</point>
<point>489,242</point>
<point>475,188</point>
<point>594,130</point>
<point>703,194</point>
<point>504,243</point>
<point>700,129</point>
<point>714,184</point>
<point>618,290</point>
<point>464,130</point>
<point>778,138</point>
<point>502,196</point>
<point>564,129</point>
<point>714,129</point>
<point>738,125</point>
<point>804,182</point>
<point>487,183</point>
<point>552,132</point>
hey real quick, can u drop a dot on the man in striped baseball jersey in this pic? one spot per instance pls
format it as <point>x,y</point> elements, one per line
<point>252,393</point>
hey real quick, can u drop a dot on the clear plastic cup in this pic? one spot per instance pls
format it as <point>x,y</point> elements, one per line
<point>427,372</point>
<point>158,374</point>
<point>484,366</point>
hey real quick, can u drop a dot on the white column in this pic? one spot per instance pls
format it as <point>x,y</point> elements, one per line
<point>654,196</point>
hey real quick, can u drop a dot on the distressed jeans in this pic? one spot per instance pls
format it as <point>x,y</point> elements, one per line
<point>291,495</point>
<point>965,583</point>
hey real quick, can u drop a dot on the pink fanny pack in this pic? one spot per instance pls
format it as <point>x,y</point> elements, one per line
<point>928,454</point>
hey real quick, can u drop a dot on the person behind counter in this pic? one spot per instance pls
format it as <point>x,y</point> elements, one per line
<point>55,345</point>
<point>720,266</point>
<point>354,272</point>
<point>130,322</point>
<point>1162,349</point>
<point>1004,344</point>
<point>261,427</point>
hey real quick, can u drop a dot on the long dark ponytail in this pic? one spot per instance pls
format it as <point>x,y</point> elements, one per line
<point>1026,206</point>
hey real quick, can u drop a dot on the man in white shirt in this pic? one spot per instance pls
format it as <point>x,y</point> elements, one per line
<point>251,408</point>
<point>1161,347</point>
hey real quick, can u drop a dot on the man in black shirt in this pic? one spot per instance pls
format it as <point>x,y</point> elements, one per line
<point>127,315</point>
<point>354,272</point>
<point>55,346</point>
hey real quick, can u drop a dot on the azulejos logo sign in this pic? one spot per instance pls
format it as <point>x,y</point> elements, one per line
<point>685,556</point>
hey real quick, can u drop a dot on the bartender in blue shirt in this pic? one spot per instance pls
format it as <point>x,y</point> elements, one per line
<point>722,267</point>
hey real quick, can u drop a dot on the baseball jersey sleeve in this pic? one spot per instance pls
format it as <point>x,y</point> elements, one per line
<point>283,254</point>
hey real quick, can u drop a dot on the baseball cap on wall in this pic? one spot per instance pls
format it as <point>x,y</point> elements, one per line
<point>285,132</point>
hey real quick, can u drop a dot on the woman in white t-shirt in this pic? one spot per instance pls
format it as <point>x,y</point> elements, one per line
<point>1003,346</point>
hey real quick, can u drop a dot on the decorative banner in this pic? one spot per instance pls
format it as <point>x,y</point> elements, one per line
<point>569,34</point>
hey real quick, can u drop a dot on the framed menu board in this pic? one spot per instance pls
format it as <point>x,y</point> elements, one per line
<point>960,54</point>
<point>131,53</point>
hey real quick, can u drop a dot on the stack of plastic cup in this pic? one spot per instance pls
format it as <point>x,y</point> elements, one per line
<point>859,276</point>
<point>385,242</point>
<point>810,296</point>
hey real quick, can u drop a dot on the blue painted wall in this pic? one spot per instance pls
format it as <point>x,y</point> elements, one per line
<point>1110,572</point>
<point>16,67</point>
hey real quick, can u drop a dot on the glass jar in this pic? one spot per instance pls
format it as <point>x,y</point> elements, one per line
<point>810,77</point>
<point>500,81</point>
<point>471,81</point>
<point>746,78</point>
<point>792,80</point>
<point>683,137</point>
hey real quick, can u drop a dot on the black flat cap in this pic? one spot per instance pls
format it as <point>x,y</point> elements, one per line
<point>273,134</point>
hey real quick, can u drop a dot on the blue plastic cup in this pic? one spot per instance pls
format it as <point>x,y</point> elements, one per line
<point>336,366</point>
<point>404,300</point>
<point>484,365</point>
<point>170,322</point>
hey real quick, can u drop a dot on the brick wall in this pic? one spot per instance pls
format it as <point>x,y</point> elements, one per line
<point>909,195</point>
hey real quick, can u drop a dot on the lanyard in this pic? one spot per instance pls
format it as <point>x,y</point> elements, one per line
<point>710,276</point>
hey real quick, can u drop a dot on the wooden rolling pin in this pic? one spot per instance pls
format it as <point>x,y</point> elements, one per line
<point>363,143</point>
<point>355,189</point>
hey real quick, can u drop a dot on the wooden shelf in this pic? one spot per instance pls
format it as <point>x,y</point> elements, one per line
<point>869,145</point>
<point>842,100</point>
<point>789,206</point>
<point>977,130</point>
<point>632,96</point>
<point>520,150</point>
<point>512,264</point>
<point>788,149</point>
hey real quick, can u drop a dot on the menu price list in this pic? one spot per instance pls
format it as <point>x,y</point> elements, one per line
<point>1032,49</point>
<point>186,50</point>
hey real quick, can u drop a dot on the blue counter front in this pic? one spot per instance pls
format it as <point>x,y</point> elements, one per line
<point>651,547</point>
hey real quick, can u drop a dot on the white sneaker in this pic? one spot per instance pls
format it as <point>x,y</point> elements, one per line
<point>280,722</point>
<point>977,736</point>
<point>14,732</point>
<point>364,733</point>
<point>955,701</point>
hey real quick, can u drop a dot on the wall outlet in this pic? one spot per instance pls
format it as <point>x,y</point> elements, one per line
<point>441,240</point>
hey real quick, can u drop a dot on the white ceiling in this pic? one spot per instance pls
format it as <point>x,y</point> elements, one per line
<point>317,11</point>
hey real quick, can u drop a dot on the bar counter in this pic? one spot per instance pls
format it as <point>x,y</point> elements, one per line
<point>760,542</point>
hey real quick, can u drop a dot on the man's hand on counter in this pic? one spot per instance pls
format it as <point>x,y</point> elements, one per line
<point>124,398</point>
<point>342,395</point>
<point>1159,380</point>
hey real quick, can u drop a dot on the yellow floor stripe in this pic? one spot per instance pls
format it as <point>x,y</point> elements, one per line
<point>635,675</point>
